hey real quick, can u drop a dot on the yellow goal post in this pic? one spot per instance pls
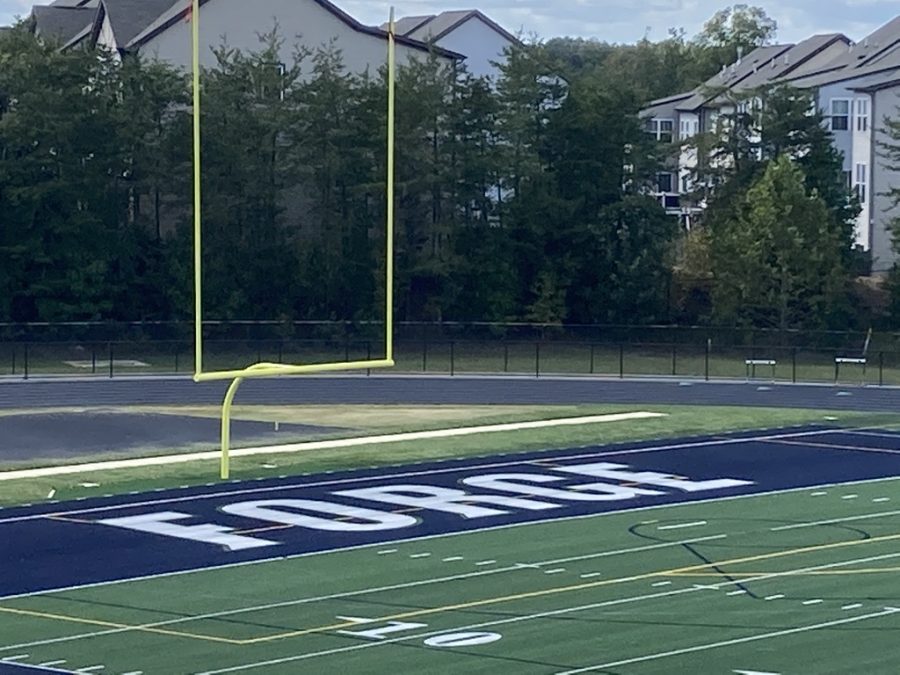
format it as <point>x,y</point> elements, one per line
<point>264,370</point>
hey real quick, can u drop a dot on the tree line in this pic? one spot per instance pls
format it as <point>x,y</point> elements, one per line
<point>522,199</point>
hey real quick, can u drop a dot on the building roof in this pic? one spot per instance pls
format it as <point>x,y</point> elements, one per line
<point>408,24</point>
<point>179,12</point>
<point>731,76</point>
<point>128,18</point>
<point>435,27</point>
<point>765,65</point>
<point>61,23</point>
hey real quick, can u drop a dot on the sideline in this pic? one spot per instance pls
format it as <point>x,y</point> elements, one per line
<point>323,445</point>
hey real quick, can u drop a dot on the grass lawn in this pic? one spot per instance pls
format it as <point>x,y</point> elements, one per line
<point>365,420</point>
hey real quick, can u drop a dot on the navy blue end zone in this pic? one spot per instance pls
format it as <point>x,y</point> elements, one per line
<point>55,546</point>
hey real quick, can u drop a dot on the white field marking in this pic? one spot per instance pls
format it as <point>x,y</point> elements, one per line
<point>855,605</point>
<point>346,594</point>
<point>876,434</point>
<point>740,591</point>
<point>659,584</point>
<point>453,558</point>
<point>753,672</point>
<point>134,672</point>
<point>325,445</point>
<point>387,552</point>
<point>420,555</point>
<point>508,460</point>
<point>591,575</point>
<point>831,521</point>
<point>818,494</point>
<point>696,523</point>
<point>850,497</point>
<point>881,500</point>
<point>817,601</point>
<point>52,663</point>
<point>485,562</point>
<point>728,643</point>
<point>366,591</point>
<point>555,570</point>
<point>529,617</point>
<point>90,669</point>
<point>262,561</point>
<point>17,657</point>
<point>774,597</point>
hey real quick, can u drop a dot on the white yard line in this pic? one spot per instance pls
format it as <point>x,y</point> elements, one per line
<point>696,523</point>
<point>324,445</point>
<point>728,643</point>
<point>364,591</point>
<point>530,617</point>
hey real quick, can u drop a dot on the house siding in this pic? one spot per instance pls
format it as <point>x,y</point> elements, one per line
<point>482,45</point>
<point>238,24</point>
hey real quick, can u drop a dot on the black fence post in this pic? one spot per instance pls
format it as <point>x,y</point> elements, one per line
<point>346,349</point>
<point>537,359</point>
<point>425,356</point>
<point>280,351</point>
<point>592,358</point>
<point>26,360</point>
<point>505,356</point>
<point>674,360</point>
<point>452,358</point>
<point>111,357</point>
<point>706,366</point>
<point>880,369</point>
<point>93,359</point>
<point>621,361</point>
<point>368,356</point>
<point>794,365</point>
<point>14,349</point>
<point>177,352</point>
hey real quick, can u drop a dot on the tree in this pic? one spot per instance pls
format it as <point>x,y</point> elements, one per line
<point>777,260</point>
<point>731,33</point>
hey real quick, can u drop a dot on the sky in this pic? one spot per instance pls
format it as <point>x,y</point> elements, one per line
<point>621,21</point>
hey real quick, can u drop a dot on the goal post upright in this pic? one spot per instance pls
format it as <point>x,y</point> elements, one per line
<point>265,370</point>
<point>198,204</point>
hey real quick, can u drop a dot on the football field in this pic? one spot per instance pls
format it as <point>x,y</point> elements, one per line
<point>773,552</point>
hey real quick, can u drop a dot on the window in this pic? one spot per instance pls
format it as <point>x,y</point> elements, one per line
<point>662,130</point>
<point>271,82</point>
<point>861,181</point>
<point>689,129</point>
<point>686,183</point>
<point>862,114</point>
<point>840,114</point>
<point>664,182</point>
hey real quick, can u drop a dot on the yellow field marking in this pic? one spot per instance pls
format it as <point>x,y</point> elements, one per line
<point>123,626</point>
<point>567,589</point>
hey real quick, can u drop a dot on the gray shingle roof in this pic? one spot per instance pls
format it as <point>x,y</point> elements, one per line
<point>60,22</point>
<point>408,24</point>
<point>129,18</point>
<point>433,28</point>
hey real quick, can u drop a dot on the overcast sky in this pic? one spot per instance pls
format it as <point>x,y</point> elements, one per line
<point>617,20</point>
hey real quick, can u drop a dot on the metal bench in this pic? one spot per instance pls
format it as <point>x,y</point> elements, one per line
<point>751,365</point>
<point>848,360</point>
